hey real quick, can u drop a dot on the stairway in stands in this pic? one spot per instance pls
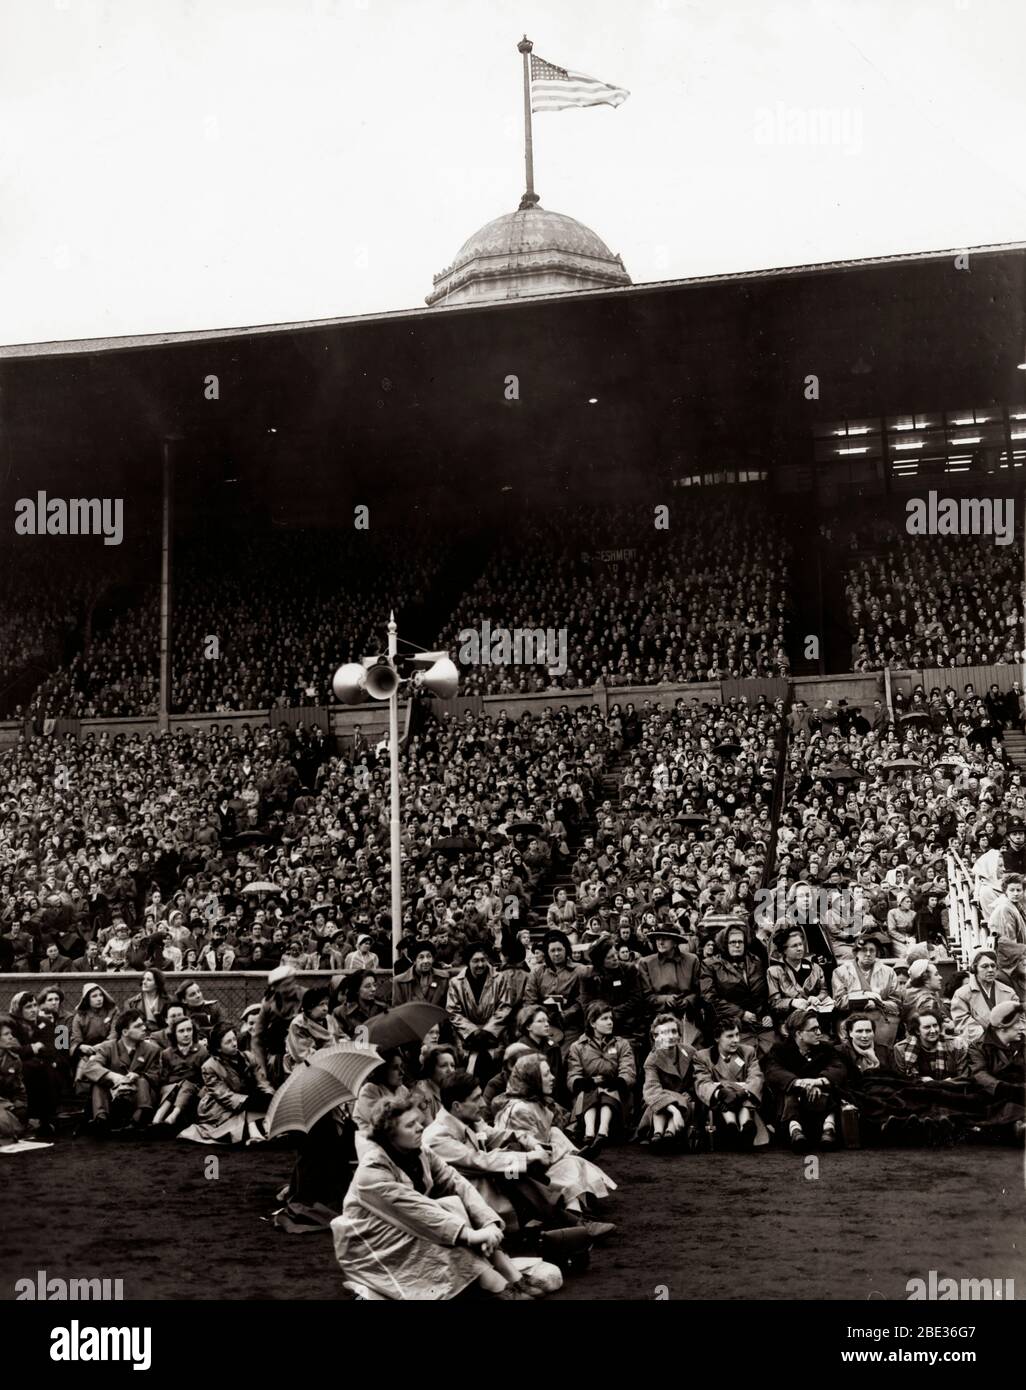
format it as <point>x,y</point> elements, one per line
<point>1015,747</point>
<point>556,878</point>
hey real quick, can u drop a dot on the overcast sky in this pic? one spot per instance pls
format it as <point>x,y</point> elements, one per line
<point>180,164</point>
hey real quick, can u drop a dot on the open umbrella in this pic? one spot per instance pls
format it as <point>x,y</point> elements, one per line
<point>406,1023</point>
<point>453,844</point>
<point>728,749</point>
<point>319,1083</point>
<point>916,716</point>
<point>901,764</point>
<point>262,886</point>
<point>691,818</point>
<point>523,827</point>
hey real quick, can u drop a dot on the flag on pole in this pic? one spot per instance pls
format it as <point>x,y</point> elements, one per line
<point>554,88</point>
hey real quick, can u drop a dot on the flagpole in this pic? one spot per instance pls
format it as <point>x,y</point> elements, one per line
<point>530,198</point>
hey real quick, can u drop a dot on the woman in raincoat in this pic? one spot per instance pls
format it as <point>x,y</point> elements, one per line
<point>233,1098</point>
<point>795,980</point>
<point>734,982</point>
<point>668,1092</point>
<point>529,1109</point>
<point>412,1227</point>
<point>93,1019</point>
<point>600,1075</point>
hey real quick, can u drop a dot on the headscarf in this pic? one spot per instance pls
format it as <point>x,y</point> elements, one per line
<point>525,1080</point>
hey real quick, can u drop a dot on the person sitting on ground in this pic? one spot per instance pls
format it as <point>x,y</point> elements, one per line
<point>311,1029</point>
<point>927,1055</point>
<point>600,1074</point>
<point>124,1074</point>
<point>412,1227</point>
<point>39,1063</point>
<point>529,1109</point>
<point>996,1065</point>
<point>422,983</point>
<point>807,1077</point>
<point>437,1065</point>
<point>729,1080</point>
<point>973,1002</point>
<point>868,985</point>
<point>181,1076</point>
<point>13,1098</point>
<point>668,1090</point>
<point>507,1169</point>
<point>234,1097</point>
<point>795,980</point>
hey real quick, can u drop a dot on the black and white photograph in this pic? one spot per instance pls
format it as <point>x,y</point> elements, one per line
<point>512,671</point>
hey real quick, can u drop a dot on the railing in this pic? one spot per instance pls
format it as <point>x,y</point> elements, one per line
<point>965,931</point>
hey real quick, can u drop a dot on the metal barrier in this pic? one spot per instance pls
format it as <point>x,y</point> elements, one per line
<point>965,931</point>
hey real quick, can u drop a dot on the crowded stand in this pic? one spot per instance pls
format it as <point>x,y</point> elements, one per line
<point>935,601</point>
<point>691,926</point>
<point>710,600</point>
<point>283,610</point>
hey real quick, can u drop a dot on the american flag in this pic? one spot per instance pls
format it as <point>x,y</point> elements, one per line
<point>553,88</point>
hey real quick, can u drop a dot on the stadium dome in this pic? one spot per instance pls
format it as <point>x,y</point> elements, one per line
<point>530,251</point>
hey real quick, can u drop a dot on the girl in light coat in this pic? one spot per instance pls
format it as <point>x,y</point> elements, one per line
<point>600,1075</point>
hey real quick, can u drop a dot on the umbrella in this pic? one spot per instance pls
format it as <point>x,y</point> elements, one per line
<point>523,827</point>
<point>691,818</point>
<point>837,772</point>
<point>319,1083</point>
<point>262,886</point>
<point>918,716</point>
<point>733,749</point>
<point>406,1023</point>
<point>898,763</point>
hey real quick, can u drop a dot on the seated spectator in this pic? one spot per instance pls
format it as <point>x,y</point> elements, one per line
<point>927,1055</point>
<point>234,1097</point>
<point>615,982</point>
<point>795,981</point>
<point>807,1077</point>
<point>861,1049</point>
<point>437,1065</point>
<point>205,1013</point>
<point>997,1069</point>
<point>92,1021</point>
<point>423,983</point>
<point>669,979</point>
<point>528,1110</point>
<point>507,1170</point>
<point>413,1228</point>
<point>478,1008</point>
<point>38,1061</point>
<point>311,1029</point>
<point>924,990</point>
<point>360,1003</point>
<point>734,983</point>
<point>668,1090</point>
<point>729,1080</point>
<point>269,1036</point>
<point>557,984</point>
<point>973,1002</point>
<point>901,921</point>
<point>181,1063</point>
<point>868,985</point>
<point>152,1000</point>
<point>600,1074</point>
<point>363,958</point>
<point>13,1098</point>
<point>386,1082</point>
<point>123,1073</point>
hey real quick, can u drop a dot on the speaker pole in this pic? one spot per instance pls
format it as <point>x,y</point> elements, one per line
<point>393,757</point>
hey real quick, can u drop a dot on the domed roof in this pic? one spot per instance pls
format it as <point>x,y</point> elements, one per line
<point>530,251</point>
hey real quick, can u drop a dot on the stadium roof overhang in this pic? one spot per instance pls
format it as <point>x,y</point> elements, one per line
<point>636,380</point>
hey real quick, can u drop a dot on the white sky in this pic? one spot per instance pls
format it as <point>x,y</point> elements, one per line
<point>176,164</point>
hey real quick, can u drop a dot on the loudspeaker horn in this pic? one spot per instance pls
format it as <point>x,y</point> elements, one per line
<point>350,684</point>
<point>382,680</point>
<point>442,679</point>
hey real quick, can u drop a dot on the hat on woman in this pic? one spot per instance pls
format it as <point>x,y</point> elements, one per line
<point>555,937</point>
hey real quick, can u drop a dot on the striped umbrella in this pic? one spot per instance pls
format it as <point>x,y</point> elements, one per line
<point>319,1083</point>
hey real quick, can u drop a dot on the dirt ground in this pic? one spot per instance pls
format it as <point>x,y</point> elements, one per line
<point>715,1226</point>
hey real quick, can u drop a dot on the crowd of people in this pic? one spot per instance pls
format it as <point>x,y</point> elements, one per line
<point>707,597</point>
<point>584,900</point>
<point>928,602</point>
